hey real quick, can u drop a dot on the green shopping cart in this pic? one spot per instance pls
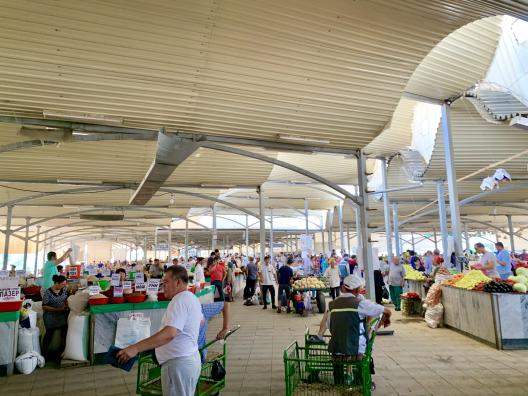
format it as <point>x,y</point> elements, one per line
<point>149,372</point>
<point>312,371</point>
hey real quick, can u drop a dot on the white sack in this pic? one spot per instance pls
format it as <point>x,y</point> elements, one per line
<point>78,302</point>
<point>77,337</point>
<point>131,331</point>
<point>27,362</point>
<point>434,315</point>
<point>28,341</point>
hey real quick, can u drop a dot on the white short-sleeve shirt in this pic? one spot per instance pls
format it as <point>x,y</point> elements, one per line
<point>184,313</point>
<point>268,274</point>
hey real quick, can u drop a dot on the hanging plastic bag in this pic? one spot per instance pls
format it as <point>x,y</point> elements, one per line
<point>131,330</point>
<point>489,183</point>
<point>501,175</point>
<point>27,362</point>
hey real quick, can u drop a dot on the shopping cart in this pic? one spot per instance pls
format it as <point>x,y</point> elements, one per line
<point>312,371</point>
<point>149,372</point>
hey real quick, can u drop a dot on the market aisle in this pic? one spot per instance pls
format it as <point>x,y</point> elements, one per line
<point>416,360</point>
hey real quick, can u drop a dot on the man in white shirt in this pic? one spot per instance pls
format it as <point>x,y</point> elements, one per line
<point>268,278</point>
<point>488,261</point>
<point>176,343</point>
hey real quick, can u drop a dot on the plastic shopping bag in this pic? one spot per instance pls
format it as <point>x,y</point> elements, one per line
<point>131,330</point>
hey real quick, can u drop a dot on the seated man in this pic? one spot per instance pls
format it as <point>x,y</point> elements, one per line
<point>346,319</point>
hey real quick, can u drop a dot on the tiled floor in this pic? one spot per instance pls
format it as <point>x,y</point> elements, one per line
<point>415,361</point>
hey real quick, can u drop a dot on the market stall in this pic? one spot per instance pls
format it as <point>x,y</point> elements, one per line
<point>488,310</point>
<point>9,337</point>
<point>104,320</point>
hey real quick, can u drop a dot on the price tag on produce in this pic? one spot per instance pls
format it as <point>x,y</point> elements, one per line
<point>10,294</point>
<point>127,285</point>
<point>118,291</point>
<point>93,290</point>
<point>153,285</point>
<point>140,287</point>
<point>116,280</point>
<point>139,278</point>
<point>106,272</point>
<point>92,270</point>
<point>21,273</point>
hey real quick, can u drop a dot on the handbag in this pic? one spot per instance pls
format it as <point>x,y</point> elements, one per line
<point>218,371</point>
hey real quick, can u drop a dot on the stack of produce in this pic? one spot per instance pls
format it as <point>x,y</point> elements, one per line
<point>411,304</point>
<point>498,286</point>
<point>520,282</point>
<point>309,283</point>
<point>411,296</point>
<point>453,280</point>
<point>412,274</point>
<point>472,279</point>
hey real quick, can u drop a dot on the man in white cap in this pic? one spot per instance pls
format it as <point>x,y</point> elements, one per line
<point>346,319</point>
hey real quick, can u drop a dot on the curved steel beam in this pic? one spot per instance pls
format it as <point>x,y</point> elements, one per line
<point>286,165</point>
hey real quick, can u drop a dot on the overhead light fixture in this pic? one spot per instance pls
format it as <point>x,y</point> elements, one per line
<point>519,122</point>
<point>82,117</point>
<point>296,138</point>
<point>171,200</point>
<point>205,185</point>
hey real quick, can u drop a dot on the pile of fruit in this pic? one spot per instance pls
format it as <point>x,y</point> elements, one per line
<point>453,280</point>
<point>520,282</point>
<point>498,286</point>
<point>412,274</point>
<point>411,296</point>
<point>309,283</point>
<point>472,279</point>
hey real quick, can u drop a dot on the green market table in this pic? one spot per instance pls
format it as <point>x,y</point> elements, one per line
<point>103,320</point>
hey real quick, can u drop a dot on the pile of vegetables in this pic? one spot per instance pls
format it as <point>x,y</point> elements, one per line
<point>309,283</point>
<point>471,279</point>
<point>520,282</point>
<point>412,274</point>
<point>411,296</point>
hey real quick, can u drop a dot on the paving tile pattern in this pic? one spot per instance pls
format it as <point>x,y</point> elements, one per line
<point>415,361</point>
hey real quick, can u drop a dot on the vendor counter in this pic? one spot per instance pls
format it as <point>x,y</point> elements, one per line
<point>103,320</point>
<point>498,319</point>
<point>8,344</point>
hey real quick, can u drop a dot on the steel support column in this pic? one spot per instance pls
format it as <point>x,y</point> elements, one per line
<point>306,219</point>
<point>36,250</point>
<point>466,237</point>
<point>271,236</point>
<point>366,248</point>
<point>7,236</point>
<point>262,215</point>
<point>341,231</point>
<point>145,250</point>
<point>156,243</point>
<point>330,229</point>
<point>397,244</point>
<point>386,210</point>
<point>348,239</point>
<point>443,218</point>
<point>412,242</point>
<point>169,243</point>
<point>511,233</point>
<point>44,247</point>
<point>358,233</point>
<point>322,242</point>
<point>435,238</point>
<point>451,180</point>
<point>186,240</point>
<point>26,243</point>
<point>215,235</point>
<point>247,236</point>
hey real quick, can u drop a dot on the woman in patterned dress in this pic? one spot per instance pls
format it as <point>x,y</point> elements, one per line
<point>55,307</point>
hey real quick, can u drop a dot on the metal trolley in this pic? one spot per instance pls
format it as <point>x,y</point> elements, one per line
<point>149,372</point>
<point>312,371</point>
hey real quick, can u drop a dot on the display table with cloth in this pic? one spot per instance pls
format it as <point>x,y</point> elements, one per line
<point>9,340</point>
<point>104,318</point>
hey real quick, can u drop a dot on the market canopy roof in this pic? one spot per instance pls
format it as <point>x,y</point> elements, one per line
<point>338,75</point>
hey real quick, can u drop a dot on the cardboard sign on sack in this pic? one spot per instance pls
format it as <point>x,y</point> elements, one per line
<point>118,291</point>
<point>93,290</point>
<point>9,290</point>
<point>116,280</point>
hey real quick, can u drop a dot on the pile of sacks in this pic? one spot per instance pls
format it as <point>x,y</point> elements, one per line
<point>28,349</point>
